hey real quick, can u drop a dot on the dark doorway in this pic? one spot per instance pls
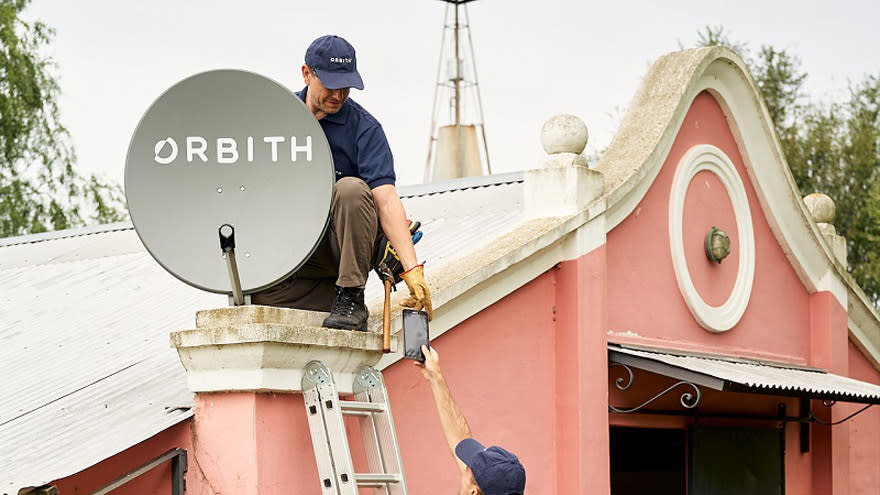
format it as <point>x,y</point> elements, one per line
<point>733,461</point>
<point>648,460</point>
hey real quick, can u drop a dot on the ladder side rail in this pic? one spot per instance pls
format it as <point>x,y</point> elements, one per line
<point>318,430</point>
<point>337,440</point>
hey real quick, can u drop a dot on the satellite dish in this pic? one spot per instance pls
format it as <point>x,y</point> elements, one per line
<point>229,148</point>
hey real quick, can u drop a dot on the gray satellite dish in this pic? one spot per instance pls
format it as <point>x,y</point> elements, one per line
<point>229,148</point>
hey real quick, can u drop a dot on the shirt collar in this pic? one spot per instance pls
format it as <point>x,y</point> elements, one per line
<point>336,118</point>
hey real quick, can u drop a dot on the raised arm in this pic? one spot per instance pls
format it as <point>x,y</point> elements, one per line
<point>452,421</point>
<point>392,218</point>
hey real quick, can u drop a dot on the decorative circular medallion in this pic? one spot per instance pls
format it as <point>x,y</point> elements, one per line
<point>709,158</point>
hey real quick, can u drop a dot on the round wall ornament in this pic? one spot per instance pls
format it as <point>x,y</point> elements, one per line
<point>709,158</point>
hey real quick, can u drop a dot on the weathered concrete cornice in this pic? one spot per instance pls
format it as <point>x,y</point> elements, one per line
<point>258,348</point>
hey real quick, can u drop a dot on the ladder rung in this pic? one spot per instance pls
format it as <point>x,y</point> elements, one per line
<point>355,406</point>
<point>379,480</point>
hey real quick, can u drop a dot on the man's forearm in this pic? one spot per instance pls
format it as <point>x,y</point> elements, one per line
<point>452,421</point>
<point>392,218</point>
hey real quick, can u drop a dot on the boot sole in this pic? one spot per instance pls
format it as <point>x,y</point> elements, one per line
<point>342,327</point>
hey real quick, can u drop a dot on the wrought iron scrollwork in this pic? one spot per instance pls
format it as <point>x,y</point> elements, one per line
<point>828,404</point>
<point>688,400</point>
<point>620,381</point>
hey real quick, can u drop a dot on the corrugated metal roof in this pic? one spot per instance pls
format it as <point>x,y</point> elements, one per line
<point>722,373</point>
<point>459,184</point>
<point>85,316</point>
<point>87,368</point>
<point>62,234</point>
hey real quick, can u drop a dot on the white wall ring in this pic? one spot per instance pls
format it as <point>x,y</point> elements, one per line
<point>712,159</point>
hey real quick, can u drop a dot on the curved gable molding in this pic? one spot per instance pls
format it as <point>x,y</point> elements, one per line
<point>652,123</point>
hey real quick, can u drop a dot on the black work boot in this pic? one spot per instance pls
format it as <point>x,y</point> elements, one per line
<point>349,311</point>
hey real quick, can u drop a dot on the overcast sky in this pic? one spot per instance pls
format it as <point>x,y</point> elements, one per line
<point>535,59</point>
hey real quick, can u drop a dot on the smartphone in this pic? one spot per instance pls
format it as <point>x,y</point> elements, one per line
<point>415,334</point>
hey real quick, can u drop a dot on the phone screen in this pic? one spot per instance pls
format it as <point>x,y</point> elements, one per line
<point>415,334</point>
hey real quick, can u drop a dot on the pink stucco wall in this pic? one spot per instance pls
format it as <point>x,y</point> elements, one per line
<point>157,481</point>
<point>250,443</point>
<point>864,433</point>
<point>528,373</point>
<point>492,366</point>
<point>645,305</point>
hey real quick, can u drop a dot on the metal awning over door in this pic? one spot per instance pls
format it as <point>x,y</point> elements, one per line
<point>736,375</point>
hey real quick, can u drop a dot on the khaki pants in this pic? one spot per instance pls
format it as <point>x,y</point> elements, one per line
<point>344,256</point>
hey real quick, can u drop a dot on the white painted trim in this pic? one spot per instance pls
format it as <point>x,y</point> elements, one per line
<point>269,356</point>
<point>708,158</point>
<point>866,343</point>
<point>864,324</point>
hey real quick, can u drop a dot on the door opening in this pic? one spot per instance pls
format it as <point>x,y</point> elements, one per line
<point>648,460</point>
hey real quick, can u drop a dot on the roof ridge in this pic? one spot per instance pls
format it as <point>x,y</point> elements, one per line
<point>459,184</point>
<point>408,191</point>
<point>66,233</point>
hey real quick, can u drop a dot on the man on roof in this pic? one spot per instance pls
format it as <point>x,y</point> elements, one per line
<point>484,470</point>
<point>364,204</point>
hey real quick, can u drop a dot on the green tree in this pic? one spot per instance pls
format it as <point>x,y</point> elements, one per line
<point>831,147</point>
<point>40,189</point>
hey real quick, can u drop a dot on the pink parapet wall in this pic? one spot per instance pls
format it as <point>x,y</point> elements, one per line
<point>529,374</point>
<point>499,366</point>
<point>251,443</point>
<point>645,304</point>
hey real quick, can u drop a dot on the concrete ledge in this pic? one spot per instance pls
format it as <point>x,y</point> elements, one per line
<point>258,348</point>
<point>258,314</point>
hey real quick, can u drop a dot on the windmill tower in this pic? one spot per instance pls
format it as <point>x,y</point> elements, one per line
<point>457,145</point>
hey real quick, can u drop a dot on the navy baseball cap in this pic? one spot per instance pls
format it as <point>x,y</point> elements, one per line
<point>497,471</point>
<point>334,62</point>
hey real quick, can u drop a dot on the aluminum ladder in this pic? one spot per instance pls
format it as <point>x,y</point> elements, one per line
<point>325,413</point>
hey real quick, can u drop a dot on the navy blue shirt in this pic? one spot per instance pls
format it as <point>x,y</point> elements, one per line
<point>358,144</point>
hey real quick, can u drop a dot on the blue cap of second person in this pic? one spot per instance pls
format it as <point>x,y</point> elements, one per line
<point>497,471</point>
<point>334,62</point>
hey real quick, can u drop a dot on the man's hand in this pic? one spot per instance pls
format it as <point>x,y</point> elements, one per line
<point>431,367</point>
<point>419,294</point>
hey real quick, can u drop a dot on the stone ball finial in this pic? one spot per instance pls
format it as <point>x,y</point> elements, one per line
<point>821,207</point>
<point>564,133</point>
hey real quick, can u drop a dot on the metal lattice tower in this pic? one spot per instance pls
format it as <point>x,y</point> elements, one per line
<point>457,145</point>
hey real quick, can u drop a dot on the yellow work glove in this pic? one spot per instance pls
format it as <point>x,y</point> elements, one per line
<point>419,294</point>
